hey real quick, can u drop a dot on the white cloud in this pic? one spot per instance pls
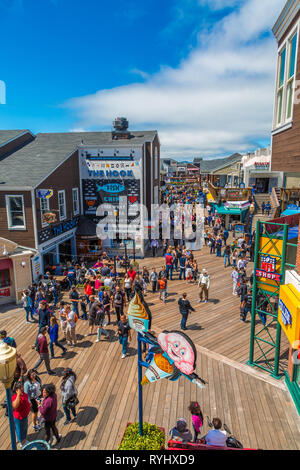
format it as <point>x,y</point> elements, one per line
<point>219,99</point>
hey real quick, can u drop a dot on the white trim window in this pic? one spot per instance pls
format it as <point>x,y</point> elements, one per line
<point>15,212</point>
<point>75,197</point>
<point>62,205</point>
<point>44,205</point>
<point>285,83</point>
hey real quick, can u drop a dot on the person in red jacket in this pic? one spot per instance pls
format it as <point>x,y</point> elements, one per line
<point>131,273</point>
<point>21,407</point>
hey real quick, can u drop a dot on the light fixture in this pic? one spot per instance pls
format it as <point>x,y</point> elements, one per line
<point>23,264</point>
<point>5,252</point>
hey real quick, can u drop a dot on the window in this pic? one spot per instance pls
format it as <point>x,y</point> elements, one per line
<point>62,205</point>
<point>75,201</point>
<point>4,278</point>
<point>15,212</point>
<point>286,81</point>
<point>44,208</point>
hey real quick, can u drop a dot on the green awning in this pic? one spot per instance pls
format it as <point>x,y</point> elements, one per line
<point>224,211</point>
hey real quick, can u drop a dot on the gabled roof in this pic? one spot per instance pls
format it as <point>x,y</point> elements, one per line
<point>209,166</point>
<point>29,165</point>
<point>6,136</point>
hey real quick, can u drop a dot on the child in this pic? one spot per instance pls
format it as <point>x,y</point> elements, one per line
<point>197,418</point>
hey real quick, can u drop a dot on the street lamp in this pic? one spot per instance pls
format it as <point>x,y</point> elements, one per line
<point>8,364</point>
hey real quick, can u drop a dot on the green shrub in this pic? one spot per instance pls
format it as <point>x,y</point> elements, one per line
<point>153,438</point>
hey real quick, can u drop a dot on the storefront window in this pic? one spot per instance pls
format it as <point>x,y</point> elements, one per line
<point>4,278</point>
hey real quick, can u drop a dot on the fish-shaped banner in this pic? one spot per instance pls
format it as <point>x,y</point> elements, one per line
<point>111,188</point>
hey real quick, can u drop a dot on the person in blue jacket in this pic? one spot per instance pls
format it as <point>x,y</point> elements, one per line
<point>53,333</point>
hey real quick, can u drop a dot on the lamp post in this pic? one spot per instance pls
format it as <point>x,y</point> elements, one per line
<point>8,364</point>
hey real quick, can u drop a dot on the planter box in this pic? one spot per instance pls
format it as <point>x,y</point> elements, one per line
<point>160,428</point>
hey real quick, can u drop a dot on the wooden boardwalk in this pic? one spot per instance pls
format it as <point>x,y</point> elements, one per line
<point>257,409</point>
<point>215,325</point>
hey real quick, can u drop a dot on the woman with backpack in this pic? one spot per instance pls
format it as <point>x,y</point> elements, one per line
<point>27,305</point>
<point>53,333</point>
<point>106,305</point>
<point>69,394</point>
<point>33,388</point>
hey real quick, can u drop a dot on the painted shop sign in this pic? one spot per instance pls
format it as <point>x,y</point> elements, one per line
<point>286,316</point>
<point>111,173</point>
<point>268,269</point>
<point>52,232</point>
<point>111,188</point>
<point>44,193</point>
<point>64,227</point>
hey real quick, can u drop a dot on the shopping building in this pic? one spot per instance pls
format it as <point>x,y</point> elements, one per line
<point>286,121</point>
<point>256,168</point>
<point>52,183</point>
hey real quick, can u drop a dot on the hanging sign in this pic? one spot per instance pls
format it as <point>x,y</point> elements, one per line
<point>44,193</point>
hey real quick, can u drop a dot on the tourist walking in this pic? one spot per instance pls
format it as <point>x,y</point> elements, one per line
<point>184,308</point>
<point>101,323</point>
<point>53,333</point>
<point>69,394</point>
<point>197,418</point>
<point>71,318</point>
<point>48,411</point>
<point>234,276</point>
<point>21,410</point>
<point>162,288</point>
<point>33,388</point>
<point>154,280</point>
<point>203,283</point>
<point>128,286</point>
<point>42,348</point>
<point>119,302</point>
<point>226,255</point>
<point>27,305</point>
<point>124,335</point>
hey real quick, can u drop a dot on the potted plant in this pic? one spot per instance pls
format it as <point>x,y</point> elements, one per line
<point>153,437</point>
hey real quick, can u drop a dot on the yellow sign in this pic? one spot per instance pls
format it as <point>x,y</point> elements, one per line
<point>289,312</point>
<point>269,264</point>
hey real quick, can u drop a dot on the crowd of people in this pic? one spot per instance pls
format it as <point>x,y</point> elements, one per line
<point>94,293</point>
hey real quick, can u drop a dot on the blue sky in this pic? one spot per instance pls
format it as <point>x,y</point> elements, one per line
<point>179,66</point>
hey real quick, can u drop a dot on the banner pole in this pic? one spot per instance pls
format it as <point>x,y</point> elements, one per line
<point>140,376</point>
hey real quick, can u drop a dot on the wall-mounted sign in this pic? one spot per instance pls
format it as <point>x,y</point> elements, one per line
<point>44,193</point>
<point>268,269</point>
<point>285,313</point>
<point>49,218</point>
<point>111,188</point>
<point>269,264</point>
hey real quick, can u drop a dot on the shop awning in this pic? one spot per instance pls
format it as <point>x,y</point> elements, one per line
<point>224,211</point>
<point>86,229</point>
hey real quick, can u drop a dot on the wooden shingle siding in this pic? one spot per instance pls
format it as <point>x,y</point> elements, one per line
<point>66,177</point>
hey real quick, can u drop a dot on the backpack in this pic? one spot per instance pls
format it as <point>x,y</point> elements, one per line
<point>76,317</point>
<point>162,284</point>
<point>239,290</point>
<point>118,298</point>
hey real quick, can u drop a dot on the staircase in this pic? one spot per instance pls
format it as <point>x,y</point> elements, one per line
<point>259,199</point>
